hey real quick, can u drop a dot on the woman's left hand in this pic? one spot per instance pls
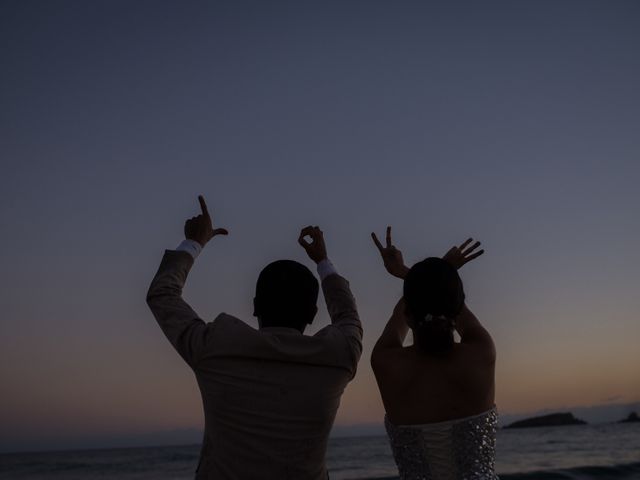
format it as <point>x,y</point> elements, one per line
<point>391,256</point>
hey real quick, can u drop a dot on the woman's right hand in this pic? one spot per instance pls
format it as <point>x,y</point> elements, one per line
<point>391,256</point>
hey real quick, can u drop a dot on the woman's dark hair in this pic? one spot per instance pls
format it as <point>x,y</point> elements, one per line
<point>433,287</point>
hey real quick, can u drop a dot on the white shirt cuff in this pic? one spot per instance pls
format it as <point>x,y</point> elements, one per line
<point>192,247</point>
<point>326,268</point>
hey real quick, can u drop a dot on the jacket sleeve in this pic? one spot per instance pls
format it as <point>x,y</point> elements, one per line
<point>179,322</point>
<point>343,312</point>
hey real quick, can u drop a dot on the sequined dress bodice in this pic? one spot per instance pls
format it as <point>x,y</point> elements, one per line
<point>461,449</point>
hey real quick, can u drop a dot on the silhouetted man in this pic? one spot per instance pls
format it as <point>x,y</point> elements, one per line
<point>270,395</point>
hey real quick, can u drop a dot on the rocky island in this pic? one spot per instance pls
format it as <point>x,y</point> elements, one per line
<point>552,420</point>
<point>633,417</point>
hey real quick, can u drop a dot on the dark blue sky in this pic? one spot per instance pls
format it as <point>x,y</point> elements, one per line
<point>515,122</point>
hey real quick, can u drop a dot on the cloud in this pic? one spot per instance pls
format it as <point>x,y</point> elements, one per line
<point>614,398</point>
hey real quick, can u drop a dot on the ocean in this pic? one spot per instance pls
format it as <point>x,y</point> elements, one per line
<point>604,452</point>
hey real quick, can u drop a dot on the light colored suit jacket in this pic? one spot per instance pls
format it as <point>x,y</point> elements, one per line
<point>270,396</point>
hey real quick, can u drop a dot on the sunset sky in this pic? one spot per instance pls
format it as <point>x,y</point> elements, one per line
<point>517,123</point>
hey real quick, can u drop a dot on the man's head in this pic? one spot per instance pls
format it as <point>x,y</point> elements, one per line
<point>286,295</point>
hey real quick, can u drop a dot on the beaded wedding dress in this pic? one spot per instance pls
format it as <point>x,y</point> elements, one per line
<point>460,449</point>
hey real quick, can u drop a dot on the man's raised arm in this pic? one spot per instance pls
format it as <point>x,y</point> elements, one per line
<point>179,322</point>
<point>341,304</point>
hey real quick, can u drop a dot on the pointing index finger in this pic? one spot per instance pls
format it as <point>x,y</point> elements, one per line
<point>203,206</point>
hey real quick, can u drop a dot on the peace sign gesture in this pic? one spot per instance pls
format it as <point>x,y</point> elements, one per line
<point>458,256</point>
<point>391,256</point>
<point>200,228</point>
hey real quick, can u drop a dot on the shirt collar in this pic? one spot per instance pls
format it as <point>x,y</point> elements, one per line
<point>280,330</point>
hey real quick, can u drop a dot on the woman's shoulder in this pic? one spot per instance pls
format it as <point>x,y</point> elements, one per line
<point>394,368</point>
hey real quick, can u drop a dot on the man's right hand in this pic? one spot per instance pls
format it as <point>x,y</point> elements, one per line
<point>316,249</point>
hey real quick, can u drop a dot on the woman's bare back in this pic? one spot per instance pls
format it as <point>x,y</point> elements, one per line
<point>417,388</point>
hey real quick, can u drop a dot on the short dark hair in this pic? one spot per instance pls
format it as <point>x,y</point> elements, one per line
<point>286,295</point>
<point>433,287</point>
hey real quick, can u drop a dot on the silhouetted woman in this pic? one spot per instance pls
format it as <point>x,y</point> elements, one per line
<point>438,393</point>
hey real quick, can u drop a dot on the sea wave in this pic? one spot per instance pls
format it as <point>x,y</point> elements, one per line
<point>627,471</point>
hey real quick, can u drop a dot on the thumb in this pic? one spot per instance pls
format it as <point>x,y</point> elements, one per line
<point>220,231</point>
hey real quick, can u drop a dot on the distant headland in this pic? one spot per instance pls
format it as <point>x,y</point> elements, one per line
<point>633,417</point>
<point>552,420</point>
